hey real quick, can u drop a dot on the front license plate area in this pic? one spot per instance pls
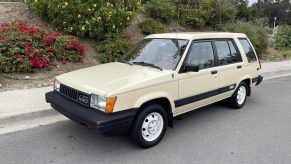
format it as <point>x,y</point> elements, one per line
<point>83,98</point>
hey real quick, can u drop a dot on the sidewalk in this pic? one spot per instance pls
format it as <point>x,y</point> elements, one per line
<point>23,102</point>
<point>276,69</point>
<point>19,102</point>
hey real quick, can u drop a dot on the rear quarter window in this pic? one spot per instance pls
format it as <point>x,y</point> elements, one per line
<point>249,51</point>
<point>226,52</point>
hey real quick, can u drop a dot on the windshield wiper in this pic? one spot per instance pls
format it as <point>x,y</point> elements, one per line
<point>125,62</point>
<point>147,64</point>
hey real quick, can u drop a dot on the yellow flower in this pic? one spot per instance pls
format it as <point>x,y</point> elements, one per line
<point>79,15</point>
<point>35,1</point>
<point>66,3</point>
<point>83,28</point>
<point>95,5</point>
<point>89,9</point>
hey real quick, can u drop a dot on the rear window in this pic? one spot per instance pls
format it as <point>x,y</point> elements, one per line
<point>249,51</point>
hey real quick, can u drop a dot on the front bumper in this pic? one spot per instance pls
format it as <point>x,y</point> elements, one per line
<point>105,123</point>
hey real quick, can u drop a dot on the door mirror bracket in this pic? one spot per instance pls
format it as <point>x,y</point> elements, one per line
<point>191,68</point>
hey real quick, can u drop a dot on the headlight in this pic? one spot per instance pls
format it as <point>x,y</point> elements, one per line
<point>57,85</point>
<point>105,104</point>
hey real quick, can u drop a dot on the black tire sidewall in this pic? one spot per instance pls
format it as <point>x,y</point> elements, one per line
<point>234,97</point>
<point>136,133</point>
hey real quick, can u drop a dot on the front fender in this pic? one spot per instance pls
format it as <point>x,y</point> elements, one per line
<point>152,96</point>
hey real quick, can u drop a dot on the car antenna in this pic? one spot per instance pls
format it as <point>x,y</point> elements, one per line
<point>178,16</point>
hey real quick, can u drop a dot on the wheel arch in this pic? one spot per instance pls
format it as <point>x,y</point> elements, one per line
<point>163,100</point>
<point>248,81</point>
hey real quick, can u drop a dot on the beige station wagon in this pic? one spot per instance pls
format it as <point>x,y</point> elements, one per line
<point>161,77</point>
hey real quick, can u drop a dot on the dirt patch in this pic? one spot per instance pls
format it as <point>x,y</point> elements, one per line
<point>40,78</point>
<point>133,31</point>
<point>276,55</point>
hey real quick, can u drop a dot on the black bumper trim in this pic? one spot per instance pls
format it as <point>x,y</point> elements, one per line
<point>105,123</point>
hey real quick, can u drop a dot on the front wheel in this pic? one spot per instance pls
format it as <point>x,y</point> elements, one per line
<point>239,97</point>
<point>149,126</point>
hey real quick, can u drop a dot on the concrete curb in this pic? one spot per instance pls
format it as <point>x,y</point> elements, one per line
<point>31,102</point>
<point>276,74</point>
<point>21,102</point>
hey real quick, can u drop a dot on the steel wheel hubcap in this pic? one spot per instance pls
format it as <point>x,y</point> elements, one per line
<point>152,126</point>
<point>241,95</point>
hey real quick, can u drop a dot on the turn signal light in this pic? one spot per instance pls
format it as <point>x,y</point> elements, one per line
<point>110,102</point>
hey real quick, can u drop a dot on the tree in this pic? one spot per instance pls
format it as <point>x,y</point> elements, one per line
<point>224,11</point>
<point>274,8</point>
<point>243,9</point>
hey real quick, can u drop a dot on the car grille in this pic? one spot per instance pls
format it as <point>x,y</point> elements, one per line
<point>73,94</point>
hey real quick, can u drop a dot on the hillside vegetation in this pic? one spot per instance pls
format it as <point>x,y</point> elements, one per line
<point>107,21</point>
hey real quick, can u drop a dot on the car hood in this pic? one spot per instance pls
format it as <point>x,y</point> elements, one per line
<point>114,77</point>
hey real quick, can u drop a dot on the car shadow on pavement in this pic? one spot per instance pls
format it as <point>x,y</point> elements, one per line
<point>70,141</point>
<point>82,136</point>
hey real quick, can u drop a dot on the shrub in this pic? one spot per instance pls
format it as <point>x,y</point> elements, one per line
<point>195,13</point>
<point>87,18</point>
<point>161,9</point>
<point>112,49</point>
<point>224,12</point>
<point>24,48</point>
<point>151,27</point>
<point>258,34</point>
<point>283,38</point>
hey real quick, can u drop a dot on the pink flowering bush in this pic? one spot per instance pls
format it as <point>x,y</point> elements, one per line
<point>24,48</point>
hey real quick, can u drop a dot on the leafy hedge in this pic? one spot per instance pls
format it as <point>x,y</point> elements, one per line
<point>164,10</point>
<point>258,34</point>
<point>90,18</point>
<point>151,26</point>
<point>112,49</point>
<point>195,13</point>
<point>283,38</point>
<point>24,48</point>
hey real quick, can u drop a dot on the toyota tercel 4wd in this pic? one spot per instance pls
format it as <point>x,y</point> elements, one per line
<point>162,76</point>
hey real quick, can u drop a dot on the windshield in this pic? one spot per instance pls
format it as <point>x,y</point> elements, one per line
<point>161,53</point>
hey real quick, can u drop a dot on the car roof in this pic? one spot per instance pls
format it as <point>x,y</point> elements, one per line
<point>197,35</point>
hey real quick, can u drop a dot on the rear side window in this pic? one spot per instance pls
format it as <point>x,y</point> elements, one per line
<point>201,54</point>
<point>226,52</point>
<point>249,51</point>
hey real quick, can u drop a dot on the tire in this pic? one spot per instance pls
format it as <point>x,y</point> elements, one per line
<point>150,126</point>
<point>239,97</point>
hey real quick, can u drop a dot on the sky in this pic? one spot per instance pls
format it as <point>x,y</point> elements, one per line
<point>252,1</point>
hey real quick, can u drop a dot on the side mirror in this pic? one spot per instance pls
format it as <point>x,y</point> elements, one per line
<point>191,68</point>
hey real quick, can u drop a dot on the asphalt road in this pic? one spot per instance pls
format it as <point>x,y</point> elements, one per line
<point>258,133</point>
